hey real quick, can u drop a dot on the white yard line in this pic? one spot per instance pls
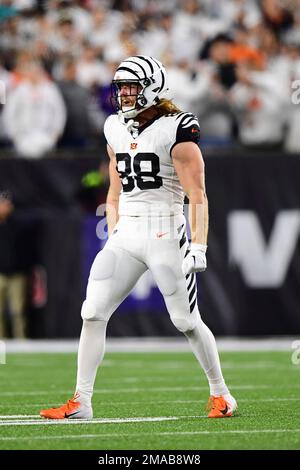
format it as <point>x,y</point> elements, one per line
<point>41,392</point>
<point>137,390</point>
<point>175,364</point>
<point>17,416</point>
<point>168,433</point>
<point>201,402</point>
<point>46,422</point>
<point>158,402</point>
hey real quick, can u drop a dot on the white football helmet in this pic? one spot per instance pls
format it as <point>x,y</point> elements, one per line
<point>148,74</point>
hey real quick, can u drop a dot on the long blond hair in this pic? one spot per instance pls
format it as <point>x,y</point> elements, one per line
<point>166,107</point>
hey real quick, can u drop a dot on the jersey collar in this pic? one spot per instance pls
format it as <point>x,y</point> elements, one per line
<point>140,129</point>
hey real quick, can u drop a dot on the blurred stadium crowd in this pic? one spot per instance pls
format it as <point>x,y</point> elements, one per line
<point>231,62</point>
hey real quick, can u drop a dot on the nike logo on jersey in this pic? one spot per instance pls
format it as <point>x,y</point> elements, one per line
<point>160,235</point>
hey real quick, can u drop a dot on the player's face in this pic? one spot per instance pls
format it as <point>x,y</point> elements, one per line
<point>128,93</point>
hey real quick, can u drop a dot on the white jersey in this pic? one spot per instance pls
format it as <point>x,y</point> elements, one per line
<point>150,185</point>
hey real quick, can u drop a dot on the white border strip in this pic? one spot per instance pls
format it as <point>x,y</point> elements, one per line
<point>150,345</point>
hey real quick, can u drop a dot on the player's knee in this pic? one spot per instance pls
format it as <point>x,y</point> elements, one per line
<point>91,312</point>
<point>184,325</point>
<point>165,278</point>
<point>103,266</point>
<point>94,307</point>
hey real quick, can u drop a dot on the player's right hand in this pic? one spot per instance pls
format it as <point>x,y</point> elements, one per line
<point>195,260</point>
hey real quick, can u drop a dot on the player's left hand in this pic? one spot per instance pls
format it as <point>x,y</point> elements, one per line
<point>195,261</point>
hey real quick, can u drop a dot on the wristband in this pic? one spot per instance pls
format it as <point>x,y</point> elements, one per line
<point>198,247</point>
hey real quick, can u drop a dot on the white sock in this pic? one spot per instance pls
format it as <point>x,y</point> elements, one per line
<point>204,347</point>
<point>90,354</point>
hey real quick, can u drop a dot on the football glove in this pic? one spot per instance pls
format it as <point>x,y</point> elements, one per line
<point>195,260</point>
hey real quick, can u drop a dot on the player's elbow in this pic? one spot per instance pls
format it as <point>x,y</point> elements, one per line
<point>112,200</point>
<point>196,197</point>
<point>196,193</point>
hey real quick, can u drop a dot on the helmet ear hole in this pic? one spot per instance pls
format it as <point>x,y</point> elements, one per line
<point>142,101</point>
<point>146,82</point>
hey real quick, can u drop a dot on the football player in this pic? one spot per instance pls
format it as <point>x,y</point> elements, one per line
<point>155,161</point>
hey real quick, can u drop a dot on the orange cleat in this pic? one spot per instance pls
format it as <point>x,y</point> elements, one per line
<point>72,409</point>
<point>221,407</point>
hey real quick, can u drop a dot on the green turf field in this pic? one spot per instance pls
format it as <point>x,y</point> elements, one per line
<point>152,401</point>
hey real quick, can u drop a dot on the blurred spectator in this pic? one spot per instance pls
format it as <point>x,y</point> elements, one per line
<point>12,276</point>
<point>276,16</point>
<point>187,87</point>
<point>5,84</point>
<point>90,70</point>
<point>227,53</point>
<point>233,12</point>
<point>230,33</point>
<point>7,10</point>
<point>76,98</point>
<point>186,30</point>
<point>292,141</point>
<point>156,37</point>
<point>104,29</point>
<point>102,103</point>
<point>259,104</point>
<point>124,45</point>
<point>64,38</point>
<point>34,116</point>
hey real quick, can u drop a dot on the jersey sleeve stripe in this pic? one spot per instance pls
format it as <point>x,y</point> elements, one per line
<point>182,241</point>
<point>191,282</point>
<point>180,114</point>
<point>192,306</point>
<point>185,117</point>
<point>191,294</point>
<point>180,228</point>
<point>189,123</point>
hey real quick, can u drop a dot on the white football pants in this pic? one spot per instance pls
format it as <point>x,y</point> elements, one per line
<point>137,244</point>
